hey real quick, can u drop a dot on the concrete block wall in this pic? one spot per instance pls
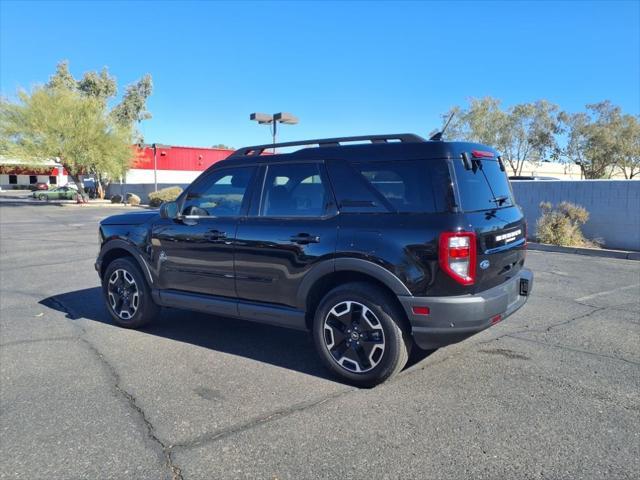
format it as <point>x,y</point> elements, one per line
<point>613,206</point>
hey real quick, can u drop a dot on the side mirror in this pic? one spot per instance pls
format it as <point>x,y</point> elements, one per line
<point>169,210</point>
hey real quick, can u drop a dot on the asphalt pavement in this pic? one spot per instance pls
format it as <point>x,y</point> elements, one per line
<point>552,392</point>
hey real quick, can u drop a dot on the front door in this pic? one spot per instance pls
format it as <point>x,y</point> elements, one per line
<point>292,227</point>
<point>194,252</point>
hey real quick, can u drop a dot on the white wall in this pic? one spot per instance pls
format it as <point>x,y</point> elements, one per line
<point>24,180</point>
<point>175,177</point>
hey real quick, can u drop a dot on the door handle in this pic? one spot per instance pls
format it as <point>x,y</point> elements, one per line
<point>212,235</point>
<point>305,238</point>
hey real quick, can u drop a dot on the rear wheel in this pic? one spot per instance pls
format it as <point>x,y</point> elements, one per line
<point>127,294</point>
<point>359,335</point>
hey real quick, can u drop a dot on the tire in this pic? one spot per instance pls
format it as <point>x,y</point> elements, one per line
<point>358,333</point>
<point>43,197</point>
<point>127,294</point>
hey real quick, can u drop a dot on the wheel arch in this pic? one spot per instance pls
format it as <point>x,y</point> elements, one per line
<point>115,249</point>
<point>331,274</point>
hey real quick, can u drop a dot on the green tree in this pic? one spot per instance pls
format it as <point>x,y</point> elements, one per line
<point>70,120</point>
<point>65,124</point>
<point>522,133</point>
<point>629,161</point>
<point>222,146</point>
<point>99,85</point>
<point>603,140</point>
<point>62,78</point>
<point>133,107</point>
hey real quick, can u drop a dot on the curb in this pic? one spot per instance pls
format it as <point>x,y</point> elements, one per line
<point>99,204</point>
<point>590,252</point>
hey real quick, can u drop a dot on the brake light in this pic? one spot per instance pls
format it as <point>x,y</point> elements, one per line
<point>457,256</point>
<point>481,154</point>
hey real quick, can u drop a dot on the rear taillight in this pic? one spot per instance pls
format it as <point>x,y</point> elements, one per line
<point>457,255</point>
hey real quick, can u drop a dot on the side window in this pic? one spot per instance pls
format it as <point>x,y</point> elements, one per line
<point>220,194</point>
<point>419,186</point>
<point>295,190</point>
<point>33,179</point>
<point>13,179</point>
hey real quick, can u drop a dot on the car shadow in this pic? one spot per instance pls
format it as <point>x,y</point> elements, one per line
<point>282,347</point>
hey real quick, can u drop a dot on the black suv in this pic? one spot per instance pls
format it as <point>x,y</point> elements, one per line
<point>373,243</point>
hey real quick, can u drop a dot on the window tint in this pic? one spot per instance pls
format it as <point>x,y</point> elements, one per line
<point>296,190</point>
<point>219,194</point>
<point>410,185</point>
<point>483,187</point>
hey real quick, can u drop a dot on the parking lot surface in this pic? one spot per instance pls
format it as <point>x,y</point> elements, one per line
<point>551,392</point>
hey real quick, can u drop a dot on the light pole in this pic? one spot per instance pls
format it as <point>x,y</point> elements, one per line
<point>272,121</point>
<point>155,168</point>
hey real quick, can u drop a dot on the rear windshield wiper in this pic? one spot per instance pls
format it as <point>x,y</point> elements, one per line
<point>500,200</point>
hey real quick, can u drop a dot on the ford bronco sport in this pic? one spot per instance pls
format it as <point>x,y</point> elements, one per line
<point>374,247</point>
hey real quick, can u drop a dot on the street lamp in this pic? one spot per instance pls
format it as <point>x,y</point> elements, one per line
<point>273,120</point>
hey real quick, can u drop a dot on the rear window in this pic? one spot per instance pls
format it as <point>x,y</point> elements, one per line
<point>409,186</point>
<point>483,187</point>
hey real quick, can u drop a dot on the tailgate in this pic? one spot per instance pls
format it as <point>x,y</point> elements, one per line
<point>500,245</point>
<point>489,208</point>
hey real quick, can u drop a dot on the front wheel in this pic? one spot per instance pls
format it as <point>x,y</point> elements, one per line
<point>43,197</point>
<point>358,333</point>
<point>127,294</point>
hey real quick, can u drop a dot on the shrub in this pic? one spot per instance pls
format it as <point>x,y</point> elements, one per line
<point>133,199</point>
<point>560,225</point>
<point>168,194</point>
<point>116,198</point>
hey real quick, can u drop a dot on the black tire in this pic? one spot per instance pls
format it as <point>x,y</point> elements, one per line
<point>120,297</point>
<point>354,354</point>
<point>43,197</point>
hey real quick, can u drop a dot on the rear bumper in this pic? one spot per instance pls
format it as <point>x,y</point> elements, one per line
<point>452,319</point>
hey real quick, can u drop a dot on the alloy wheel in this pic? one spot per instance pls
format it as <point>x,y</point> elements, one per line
<point>354,337</point>
<point>123,293</point>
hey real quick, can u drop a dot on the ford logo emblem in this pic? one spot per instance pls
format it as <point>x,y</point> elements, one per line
<point>484,264</point>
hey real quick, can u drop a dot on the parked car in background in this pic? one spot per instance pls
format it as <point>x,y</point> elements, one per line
<point>60,193</point>
<point>38,186</point>
<point>532,177</point>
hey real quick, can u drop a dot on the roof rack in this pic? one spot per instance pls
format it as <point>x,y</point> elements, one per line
<point>329,142</point>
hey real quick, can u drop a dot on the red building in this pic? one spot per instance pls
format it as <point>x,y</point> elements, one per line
<point>174,165</point>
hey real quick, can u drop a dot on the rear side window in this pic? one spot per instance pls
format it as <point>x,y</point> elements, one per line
<point>483,187</point>
<point>409,186</point>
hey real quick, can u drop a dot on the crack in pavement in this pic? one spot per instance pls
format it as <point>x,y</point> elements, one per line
<point>257,421</point>
<point>175,470</point>
<point>550,328</point>
<point>572,349</point>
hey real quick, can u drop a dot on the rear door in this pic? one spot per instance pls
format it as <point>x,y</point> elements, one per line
<point>489,208</point>
<point>291,227</point>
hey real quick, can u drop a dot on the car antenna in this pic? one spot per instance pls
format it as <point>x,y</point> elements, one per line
<point>437,137</point>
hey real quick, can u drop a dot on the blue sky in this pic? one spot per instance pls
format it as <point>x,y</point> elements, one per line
<point>342,68</point>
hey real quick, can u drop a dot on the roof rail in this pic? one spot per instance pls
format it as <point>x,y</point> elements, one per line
<point>329,142</point>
